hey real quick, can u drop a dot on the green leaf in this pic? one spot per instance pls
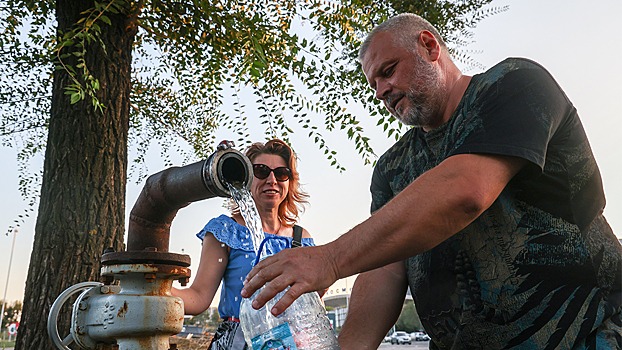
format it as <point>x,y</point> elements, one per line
<point>105,19</point>
<point>75,97</point>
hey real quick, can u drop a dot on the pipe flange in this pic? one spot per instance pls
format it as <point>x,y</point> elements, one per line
<point>145,257</point>
<point>227,165</point>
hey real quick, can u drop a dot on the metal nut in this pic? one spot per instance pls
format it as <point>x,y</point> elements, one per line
<point>184,281</point>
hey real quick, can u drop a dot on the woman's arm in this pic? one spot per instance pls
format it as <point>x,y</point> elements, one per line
<point>214,258</point>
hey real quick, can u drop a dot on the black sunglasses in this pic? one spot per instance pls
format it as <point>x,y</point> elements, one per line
<point>262,171</point>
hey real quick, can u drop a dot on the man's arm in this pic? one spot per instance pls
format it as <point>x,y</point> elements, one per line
<point>375,305</point>
<point>435,206</point>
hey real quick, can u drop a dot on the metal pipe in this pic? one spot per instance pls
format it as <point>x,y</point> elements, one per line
<point>139,312</point>
<point>168,191</point>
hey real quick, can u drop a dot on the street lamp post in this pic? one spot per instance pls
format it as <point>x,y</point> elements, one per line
<point>6,287</point>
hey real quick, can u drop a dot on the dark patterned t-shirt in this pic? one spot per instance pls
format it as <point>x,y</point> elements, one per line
<point>541,268</point>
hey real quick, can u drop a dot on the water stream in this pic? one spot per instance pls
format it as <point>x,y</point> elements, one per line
<point>248,210</point>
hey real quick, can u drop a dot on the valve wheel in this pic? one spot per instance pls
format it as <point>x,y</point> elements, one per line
<point>63,343</point>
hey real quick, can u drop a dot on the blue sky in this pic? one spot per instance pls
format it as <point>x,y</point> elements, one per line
<point>577,41</point>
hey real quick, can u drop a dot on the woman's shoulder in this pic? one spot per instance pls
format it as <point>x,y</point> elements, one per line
<point>273,244</point>
<point>226,230</point>
<point>306,238</point>
<point>305,233</point>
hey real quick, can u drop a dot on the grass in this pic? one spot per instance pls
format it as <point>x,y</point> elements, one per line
<point>7,344</point>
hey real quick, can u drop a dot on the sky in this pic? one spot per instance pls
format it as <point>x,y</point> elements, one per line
<point>577,41</point>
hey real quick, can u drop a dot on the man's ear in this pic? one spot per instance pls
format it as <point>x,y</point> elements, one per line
<point>430,45</point>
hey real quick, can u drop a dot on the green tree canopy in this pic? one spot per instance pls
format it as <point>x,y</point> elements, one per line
<point>12,312</point>
<point>193,62</point>
<point>409,319</point>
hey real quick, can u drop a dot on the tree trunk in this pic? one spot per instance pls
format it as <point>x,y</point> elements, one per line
<point>82,205</point>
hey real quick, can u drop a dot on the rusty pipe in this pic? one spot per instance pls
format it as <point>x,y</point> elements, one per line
<point>139,311</point>
<point>168,191</point>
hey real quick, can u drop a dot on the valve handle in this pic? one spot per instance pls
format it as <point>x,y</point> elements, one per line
<point>55,310</point>
<point>224,144</point>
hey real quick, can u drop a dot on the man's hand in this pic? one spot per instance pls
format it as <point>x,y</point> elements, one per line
<point>304,269</point>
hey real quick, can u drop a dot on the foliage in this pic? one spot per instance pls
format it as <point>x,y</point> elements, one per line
<point>12,313</point>
<point>409,319</point>
<point>200,66</point>
<point>454,20</point>
<point>72,45</point>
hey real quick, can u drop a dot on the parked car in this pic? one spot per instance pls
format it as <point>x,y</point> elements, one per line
<point>419,336</point>
<point>400,337</point>
<point>386,339</point>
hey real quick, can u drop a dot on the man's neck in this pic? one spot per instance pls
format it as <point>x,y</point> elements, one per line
<point>456,91</point>
<point>456,84</point>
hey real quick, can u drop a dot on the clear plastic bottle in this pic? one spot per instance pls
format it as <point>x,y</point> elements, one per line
<point>302,326</point>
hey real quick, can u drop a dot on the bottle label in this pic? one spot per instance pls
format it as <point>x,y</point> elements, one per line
<point>278,338</point>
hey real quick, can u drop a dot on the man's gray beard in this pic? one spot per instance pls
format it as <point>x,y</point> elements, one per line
<point>419,114</point>
<point>423,101</point>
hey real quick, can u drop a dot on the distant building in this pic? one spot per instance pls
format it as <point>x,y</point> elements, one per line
<point>192,332</point>
<point>337,299</point>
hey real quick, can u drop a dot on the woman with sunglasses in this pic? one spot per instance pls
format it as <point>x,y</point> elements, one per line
<point>227,252</point>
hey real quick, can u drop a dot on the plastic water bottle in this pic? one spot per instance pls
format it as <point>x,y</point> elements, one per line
<point>302,326</point>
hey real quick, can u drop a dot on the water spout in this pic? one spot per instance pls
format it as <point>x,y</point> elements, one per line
<point>168,191</point>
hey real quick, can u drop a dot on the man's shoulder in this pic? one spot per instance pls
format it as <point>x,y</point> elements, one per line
<point>512,64</point>
<point>506,76</point>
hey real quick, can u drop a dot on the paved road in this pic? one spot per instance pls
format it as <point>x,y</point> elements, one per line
<point>416,345</point>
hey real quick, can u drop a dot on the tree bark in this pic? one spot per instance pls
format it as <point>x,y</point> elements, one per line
<point>82,203</point>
